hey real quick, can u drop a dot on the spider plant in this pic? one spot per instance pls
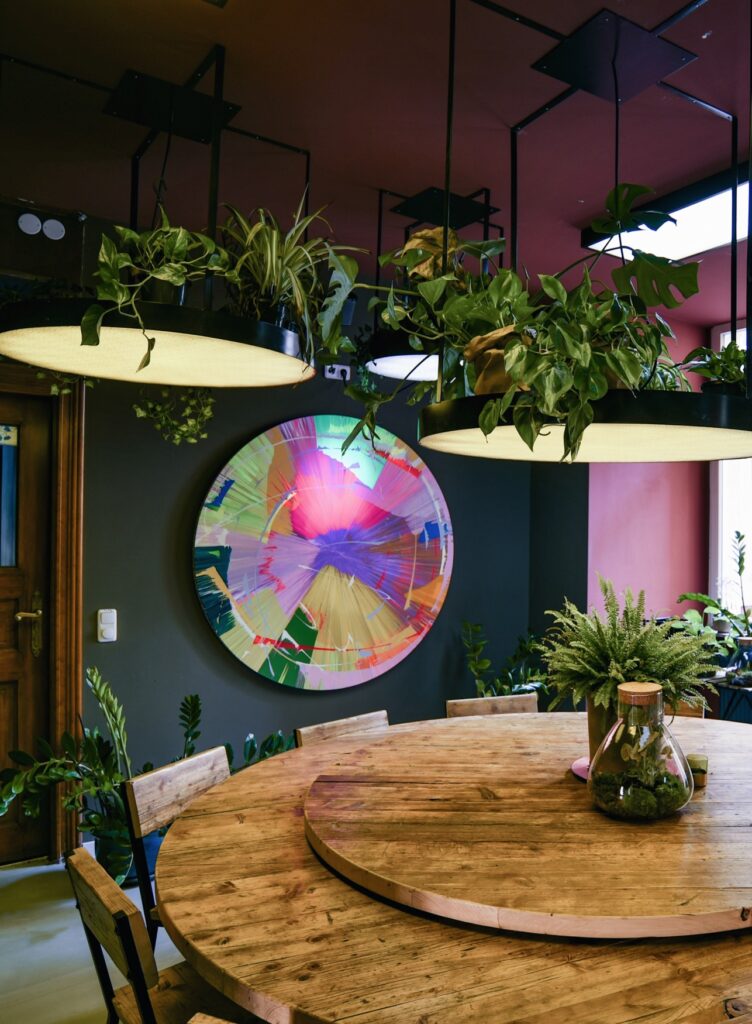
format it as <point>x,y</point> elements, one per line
<point>281,277</point>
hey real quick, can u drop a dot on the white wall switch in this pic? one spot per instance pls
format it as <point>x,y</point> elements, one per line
<point>106,625</point>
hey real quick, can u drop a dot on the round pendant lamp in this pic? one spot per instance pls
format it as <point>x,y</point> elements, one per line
<point>193,347</point>
<point>390,355</point>
<point>651,426</point>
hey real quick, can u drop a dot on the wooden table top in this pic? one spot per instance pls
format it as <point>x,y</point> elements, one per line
<point>256,912</point>
<point>487,825</point>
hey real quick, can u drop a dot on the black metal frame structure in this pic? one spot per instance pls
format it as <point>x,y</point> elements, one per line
<point>659,408</point>
<point>143,877</point>
<point>214,60</point>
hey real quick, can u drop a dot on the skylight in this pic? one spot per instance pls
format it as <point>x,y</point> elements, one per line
<point>699,227</point>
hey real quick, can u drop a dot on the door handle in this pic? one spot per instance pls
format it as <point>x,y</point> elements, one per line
<point>36,622</point>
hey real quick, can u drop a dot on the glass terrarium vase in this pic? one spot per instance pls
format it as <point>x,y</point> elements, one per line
<point>639,771</point>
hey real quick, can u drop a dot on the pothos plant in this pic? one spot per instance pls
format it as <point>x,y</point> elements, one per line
<point>543,355</point>
<point>172,255</point>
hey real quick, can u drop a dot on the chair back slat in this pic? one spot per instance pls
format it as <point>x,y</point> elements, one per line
<point>515,703</point>
<point>104,907</point>
<point>156,798</point>
<point>357,725</point>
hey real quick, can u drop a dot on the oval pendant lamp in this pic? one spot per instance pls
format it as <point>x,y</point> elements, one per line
<point>193,347</point>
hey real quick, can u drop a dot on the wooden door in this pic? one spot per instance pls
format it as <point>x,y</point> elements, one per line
<point>25,549</point>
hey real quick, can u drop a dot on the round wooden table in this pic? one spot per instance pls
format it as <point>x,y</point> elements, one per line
<point>255,911</point>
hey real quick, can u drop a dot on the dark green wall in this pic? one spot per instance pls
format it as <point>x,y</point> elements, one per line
<point>142,499</point>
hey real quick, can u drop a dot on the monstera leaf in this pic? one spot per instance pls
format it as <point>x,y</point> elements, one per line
<point>623,218</point>
<point>652,279</point>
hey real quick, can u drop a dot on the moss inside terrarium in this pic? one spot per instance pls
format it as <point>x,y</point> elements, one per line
<point>623,795</point>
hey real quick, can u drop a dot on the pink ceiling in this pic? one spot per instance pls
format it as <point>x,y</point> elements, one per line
<point>363,86</point>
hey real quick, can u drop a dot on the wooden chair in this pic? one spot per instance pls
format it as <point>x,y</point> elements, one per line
<point>373,722</point>
<point>113,923</point>
<point>155,799</point>
<point>514,704</point>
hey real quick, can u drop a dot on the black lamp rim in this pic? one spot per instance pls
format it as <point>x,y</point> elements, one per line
<point>157,316</point>
<point>664,408</point>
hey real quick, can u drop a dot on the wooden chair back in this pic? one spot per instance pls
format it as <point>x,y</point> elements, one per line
<point>357,725</point>
<point>112,922</point>
<point>513,704</point>
<point>156,798</point>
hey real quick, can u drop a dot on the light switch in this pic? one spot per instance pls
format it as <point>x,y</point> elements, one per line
<point>106,625</point>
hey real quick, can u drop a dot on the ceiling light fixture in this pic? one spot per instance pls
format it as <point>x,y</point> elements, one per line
<point>649,426</point>
<point>194,347</point>
<point>391,355</point>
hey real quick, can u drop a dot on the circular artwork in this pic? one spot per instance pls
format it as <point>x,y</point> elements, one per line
<point>317,569</point>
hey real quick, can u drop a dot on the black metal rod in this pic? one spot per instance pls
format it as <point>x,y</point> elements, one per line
<point>449,126</point>
<point>135,184</point>
<point>307,192</point>
<point>379,243</point>
<point>680,15</point>
<point>75,79</point>
<point>703,104</point>
<point>265,138</point>
<point>513,202</point>
<point>545,108</point>
<point>519,18</point>
<point>216,139</point>
<point>734,233</point>
<point>748,311</point>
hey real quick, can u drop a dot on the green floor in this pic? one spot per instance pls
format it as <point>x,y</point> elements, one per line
<point>46,973</point>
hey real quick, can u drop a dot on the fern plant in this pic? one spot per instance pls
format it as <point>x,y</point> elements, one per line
<point>588,656</point>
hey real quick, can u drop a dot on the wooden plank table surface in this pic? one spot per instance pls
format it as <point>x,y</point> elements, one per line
<point>496,831</point>
<point>259,916</point>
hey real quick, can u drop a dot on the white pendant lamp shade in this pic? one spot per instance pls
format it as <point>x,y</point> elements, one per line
<point>390,355</point>
<point>647,427</point>
<point>193,347</point>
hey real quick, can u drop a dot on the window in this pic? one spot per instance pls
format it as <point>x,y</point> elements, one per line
<point>730,510</point>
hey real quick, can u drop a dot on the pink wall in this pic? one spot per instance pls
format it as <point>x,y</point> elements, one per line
<point>648,522</point>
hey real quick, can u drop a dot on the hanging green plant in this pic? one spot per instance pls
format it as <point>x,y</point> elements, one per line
<point>137,260</point>
<point>178,414</point>
<point>542,356</point>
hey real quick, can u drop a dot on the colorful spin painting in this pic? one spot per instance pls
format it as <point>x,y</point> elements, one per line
<point>317,569</point>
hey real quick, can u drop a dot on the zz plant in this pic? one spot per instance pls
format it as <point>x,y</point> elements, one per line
<point>520,673</point>
<point>93,765</point>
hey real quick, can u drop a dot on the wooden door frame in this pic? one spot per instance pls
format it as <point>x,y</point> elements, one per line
<point>66,568</point>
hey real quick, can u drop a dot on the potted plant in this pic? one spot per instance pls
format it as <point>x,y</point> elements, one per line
<point>724,371</point>
<point>93,766</point>
<point>587,656</point>
<point>734,626</point>
<point>286,279</point>
<point>518,674</point>
<point>541,356</point>
<point>139,265</point>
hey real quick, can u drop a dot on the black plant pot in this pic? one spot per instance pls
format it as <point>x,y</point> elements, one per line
<point>162,291</point>
<point>717,387</point>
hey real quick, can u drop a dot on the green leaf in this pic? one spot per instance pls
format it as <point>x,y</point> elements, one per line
<point>21,757</point>
<point>654,278</point>
<point>553,287</point>
<point>488,419</point>
<point>527,424</point>
<point>485,249</point>
<point>91,323</point>
<point>432,291</point>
